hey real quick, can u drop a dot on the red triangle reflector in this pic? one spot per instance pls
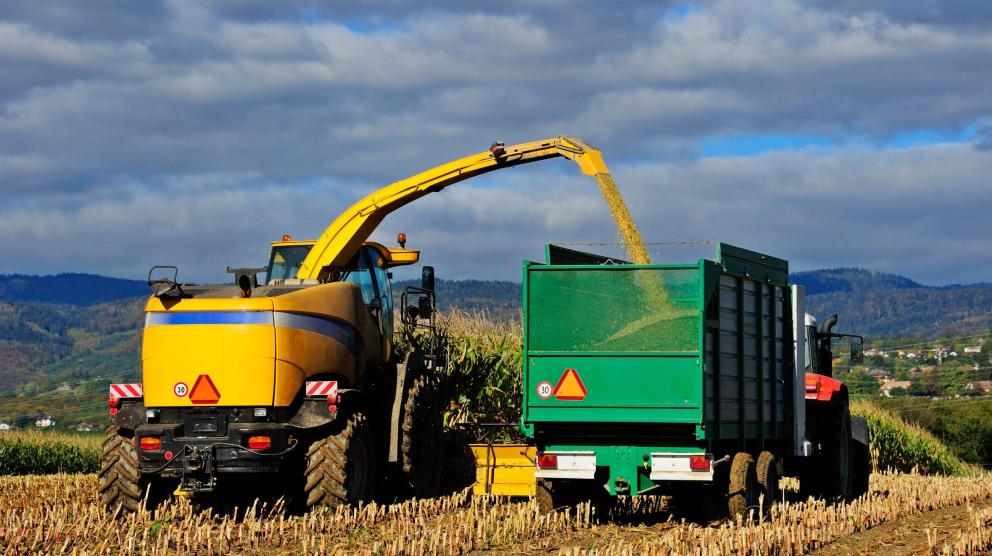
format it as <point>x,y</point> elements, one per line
<point>570,386</point>
<point>204,391</point>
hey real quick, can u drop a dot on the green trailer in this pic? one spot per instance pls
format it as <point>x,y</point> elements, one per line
<point>681,379</point>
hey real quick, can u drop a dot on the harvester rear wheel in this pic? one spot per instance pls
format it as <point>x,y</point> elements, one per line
<point>767,471</point>
<point>121,482</point>
<point>422,437</point>
<point>341,468</point>
<point>743,492</point>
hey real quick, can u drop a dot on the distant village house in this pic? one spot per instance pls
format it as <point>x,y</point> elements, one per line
<point>44,422</point>
<point>889,385</point>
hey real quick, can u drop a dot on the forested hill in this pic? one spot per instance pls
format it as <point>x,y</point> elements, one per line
<point>69,288</point>
<point>850,280</point>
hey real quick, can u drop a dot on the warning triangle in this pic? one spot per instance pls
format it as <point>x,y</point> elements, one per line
<point>570,386</point>
<point>204,391</point>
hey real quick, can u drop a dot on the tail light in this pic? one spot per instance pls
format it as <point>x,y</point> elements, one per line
<point>259,442</point>
<point>150,443</point>
<point>113,402</point>
<point>547,461</point>
<point>699,463</point>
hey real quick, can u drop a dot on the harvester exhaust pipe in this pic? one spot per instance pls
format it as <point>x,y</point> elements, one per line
<point>825,348</point>
<point>828,324</point>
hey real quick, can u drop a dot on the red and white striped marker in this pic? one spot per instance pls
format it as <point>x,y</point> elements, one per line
<point>126,391</point>
<point>327,388</point>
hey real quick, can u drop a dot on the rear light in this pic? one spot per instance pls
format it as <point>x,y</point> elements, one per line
<point>699,463</point>
<point>547,461</point>
<point>150,443</point>
<point>113,402</point>
<point>259,442</point>
<point>260,412</point>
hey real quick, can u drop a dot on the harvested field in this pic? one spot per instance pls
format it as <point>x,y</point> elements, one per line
<point>60,514</point>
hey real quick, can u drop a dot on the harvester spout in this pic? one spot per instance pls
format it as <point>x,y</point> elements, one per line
<point>341,240</point>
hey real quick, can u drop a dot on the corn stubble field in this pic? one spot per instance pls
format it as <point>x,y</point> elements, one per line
<point>61,513</point>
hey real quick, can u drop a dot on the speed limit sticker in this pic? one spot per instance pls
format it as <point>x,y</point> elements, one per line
<point>180,389</point>
<point>544,390</point>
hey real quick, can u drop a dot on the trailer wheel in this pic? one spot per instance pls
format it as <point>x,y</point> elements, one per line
<point>743,492</point>
<point>121,482</point>
<point>565,496</point>
<point>422,437</point>
<point>341,468</point>
<point>767,471</point>
<point>545,495</point>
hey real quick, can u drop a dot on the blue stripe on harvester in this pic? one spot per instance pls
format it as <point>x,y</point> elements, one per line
<point>209,317</point>
<point>335,329</point>
<point>342,332</point>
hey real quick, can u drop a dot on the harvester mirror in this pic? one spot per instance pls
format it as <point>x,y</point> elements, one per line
<point>425,307</point>
<point>857,353</point>
<point>427,278</point>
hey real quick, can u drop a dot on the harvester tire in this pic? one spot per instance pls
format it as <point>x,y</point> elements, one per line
<point>767,471</point>
<point>422,439</point>
<point>742,494</point>
<point>341,468</point>
<point>121,482</point>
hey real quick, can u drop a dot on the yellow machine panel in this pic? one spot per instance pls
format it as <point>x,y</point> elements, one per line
<point>237,358</point>
<point>502,469</point>
<point>255,351</point>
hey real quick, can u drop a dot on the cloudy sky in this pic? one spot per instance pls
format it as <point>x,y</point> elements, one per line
<point>193,133</point>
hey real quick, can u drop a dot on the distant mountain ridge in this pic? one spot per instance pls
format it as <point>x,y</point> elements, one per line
<point>69,288</point>
<point>831,280</point>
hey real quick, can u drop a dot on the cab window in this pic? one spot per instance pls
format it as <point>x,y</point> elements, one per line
<point>284,262</point>
<point>384,293</point>
<point>360,274</point>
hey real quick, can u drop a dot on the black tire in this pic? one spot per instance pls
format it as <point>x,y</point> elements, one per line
<point>565,496</point>
<point>341,468</point>
<point>545,497</point>
<point>860,470</point>
<point>827,475</point>
<point>422,440</point>
<point>742,494</point>
<point>767,471</point>
<point>122,484</point>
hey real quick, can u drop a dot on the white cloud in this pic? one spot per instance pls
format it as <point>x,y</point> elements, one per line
<point>127,133</point>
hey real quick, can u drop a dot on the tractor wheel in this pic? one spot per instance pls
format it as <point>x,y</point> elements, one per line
<point>121,483</point>
<point>422,437</point>
<point>860,470</point>
<point>341,468</point>
<point>767,471</point>
<point>828,474</point>
<point>743,492</point>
